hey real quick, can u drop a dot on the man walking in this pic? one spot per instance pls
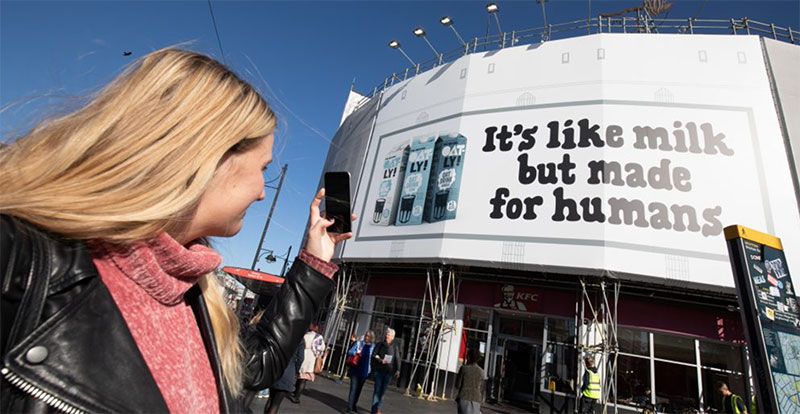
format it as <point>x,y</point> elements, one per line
<point>590,391</point>
<point>385,365</point>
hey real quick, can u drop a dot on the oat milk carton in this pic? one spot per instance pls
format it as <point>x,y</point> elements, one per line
<point>391,182</point>
<point>445,181</point>
<point>415,182</point>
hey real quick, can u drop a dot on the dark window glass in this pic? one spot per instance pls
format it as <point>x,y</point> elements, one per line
<point>476,318</point>
<point>674,348</point>
<point>721,355</point>
<point>633,380</point>
<point>510,326</point>
<point>534,329</point>
<point>676,387</point>
<point>633,341</point>
<point>560,367</point>
<point>561,330</point>
<point>712,398</point>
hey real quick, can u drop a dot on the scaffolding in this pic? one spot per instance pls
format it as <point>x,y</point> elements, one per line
<point>347,297</point>
<point>597,336</point>
<point>440,291</point>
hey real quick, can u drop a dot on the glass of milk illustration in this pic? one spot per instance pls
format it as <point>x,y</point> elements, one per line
<point>445,180</point>
<point>415,182</point>
<point>391,176</point>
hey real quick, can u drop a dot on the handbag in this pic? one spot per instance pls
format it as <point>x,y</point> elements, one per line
<point>352,360</point>
<point>318,366</point>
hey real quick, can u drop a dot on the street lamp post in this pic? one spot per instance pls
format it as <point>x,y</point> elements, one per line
<point>271,258</point>
<point>269,217</point>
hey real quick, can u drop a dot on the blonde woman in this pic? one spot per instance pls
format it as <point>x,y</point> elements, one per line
<point>109,303</point>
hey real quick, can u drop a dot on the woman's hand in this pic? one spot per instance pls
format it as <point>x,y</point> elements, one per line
<point>320,243</point>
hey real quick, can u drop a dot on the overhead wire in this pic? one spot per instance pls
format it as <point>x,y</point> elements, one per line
<point>216,32</point>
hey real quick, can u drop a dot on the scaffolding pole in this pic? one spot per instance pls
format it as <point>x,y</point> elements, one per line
<point>438,292</point>
<point>604,323</point>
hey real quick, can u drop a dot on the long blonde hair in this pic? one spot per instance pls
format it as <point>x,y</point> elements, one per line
<point>136,159</point>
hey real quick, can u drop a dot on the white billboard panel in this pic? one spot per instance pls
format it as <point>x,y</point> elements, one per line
<point>617,153</point>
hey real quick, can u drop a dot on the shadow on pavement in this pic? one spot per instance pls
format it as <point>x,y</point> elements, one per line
<point>330,400</point>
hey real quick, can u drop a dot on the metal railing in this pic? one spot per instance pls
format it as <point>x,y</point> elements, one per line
<point>600,24</point>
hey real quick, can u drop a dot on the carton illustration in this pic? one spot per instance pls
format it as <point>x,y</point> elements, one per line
<point>445,180</point>
<point>394,169</point>
<point>415,182</point>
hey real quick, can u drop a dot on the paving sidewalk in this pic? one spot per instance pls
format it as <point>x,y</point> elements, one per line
<point>327,396</point>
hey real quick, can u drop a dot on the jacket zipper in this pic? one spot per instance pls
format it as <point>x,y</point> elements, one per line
<point>39,394</point>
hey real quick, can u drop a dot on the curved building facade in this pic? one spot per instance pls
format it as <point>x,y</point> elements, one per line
<point>548,202</point>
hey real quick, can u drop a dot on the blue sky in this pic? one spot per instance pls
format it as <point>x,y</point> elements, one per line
<point>302,55</point>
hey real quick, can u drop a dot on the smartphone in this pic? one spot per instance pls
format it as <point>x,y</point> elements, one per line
<point>337,201</point>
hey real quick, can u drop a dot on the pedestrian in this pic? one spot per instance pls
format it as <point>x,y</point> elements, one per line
<point>360,372</point>
<point>110,302</point>
<point>353,340</point>
<point>590,390</point>
<point>731,403</point>
<point>313,346</point>
<point>385,365</point>
<point>470,384</point>
<point>285,384</point>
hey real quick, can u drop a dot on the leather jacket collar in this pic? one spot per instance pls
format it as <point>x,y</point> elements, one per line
<point>80,355</point>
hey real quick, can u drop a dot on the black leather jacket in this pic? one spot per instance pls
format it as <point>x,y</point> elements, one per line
<point>70,350</point>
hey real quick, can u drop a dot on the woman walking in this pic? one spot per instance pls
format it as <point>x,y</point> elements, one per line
<point>313,348</point>
<point>109,299</point>
<point>360,372</point>
<point>284,386</point>
<point>470,385</point>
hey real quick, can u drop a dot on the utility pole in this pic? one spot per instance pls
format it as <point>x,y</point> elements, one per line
<point>269,217</point>
<point>285,261</point>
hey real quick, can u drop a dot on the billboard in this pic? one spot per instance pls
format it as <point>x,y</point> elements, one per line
<point>617,153</point>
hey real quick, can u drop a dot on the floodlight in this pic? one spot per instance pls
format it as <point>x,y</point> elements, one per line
<point>394,44</point>
<point>421,33</point>
<point>492,8</point>
<point>448,22</point>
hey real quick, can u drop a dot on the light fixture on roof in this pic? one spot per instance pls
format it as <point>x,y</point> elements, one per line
<point>394,44</point>
<point>447,21</point>
<point>493,9</point>
<point>418,32</point>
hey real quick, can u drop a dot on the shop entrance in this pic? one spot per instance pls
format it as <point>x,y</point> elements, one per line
<point>518,369</point>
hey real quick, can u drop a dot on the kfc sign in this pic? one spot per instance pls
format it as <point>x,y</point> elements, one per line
<point>517,298</point>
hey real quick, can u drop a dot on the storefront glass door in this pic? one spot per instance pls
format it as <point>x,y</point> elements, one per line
<point>517,369</point>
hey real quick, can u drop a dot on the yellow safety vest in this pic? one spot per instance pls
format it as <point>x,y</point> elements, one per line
<point>734,406</point>
<point>593,390</point>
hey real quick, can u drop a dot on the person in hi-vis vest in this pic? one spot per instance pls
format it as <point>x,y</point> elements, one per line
<point>590,390</point>
<point>731,403</point>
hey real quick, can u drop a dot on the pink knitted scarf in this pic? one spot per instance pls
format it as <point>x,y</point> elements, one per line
<point>148,280</point>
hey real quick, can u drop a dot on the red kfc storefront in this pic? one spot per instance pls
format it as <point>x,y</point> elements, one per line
<point>526,333</point>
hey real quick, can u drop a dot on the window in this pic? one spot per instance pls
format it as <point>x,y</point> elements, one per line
<point>676,387</point>
<point>561,330</point>
<point>633,380</point>
<point>721,362</point>
<point>674,348</point>
<point>560,355</point>
<point>633,341</point>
